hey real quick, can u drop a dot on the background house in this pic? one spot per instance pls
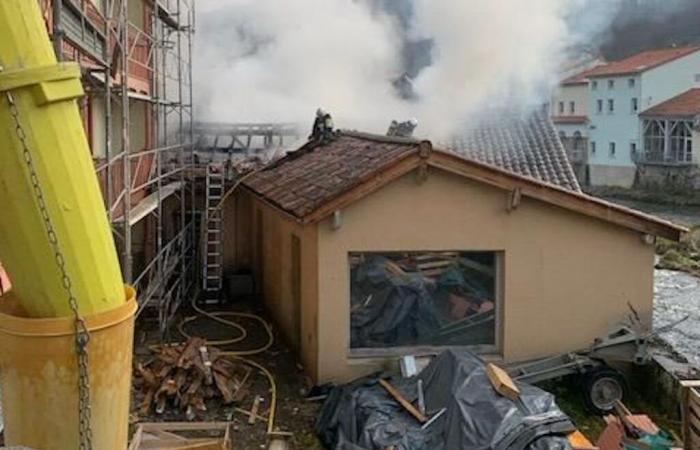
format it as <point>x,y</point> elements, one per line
<point>671,136</point>
<point>617,93</point>
<point>368,247</point>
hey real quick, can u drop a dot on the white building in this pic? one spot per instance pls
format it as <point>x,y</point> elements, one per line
<point>617,93</point>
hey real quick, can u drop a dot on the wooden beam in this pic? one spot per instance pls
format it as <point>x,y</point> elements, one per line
<point>502,382</point>
<point>403,401</point>
<point>558,196</point>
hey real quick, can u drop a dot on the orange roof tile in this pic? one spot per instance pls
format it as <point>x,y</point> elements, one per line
<point>642,61</point>
<point>685,104</point>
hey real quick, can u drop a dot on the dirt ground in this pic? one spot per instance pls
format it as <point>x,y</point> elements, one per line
<point>294,413</point>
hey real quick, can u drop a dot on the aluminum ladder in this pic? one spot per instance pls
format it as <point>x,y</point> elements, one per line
<point>212,267</point>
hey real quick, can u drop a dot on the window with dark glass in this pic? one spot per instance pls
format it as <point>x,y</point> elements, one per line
<point>423,299</point>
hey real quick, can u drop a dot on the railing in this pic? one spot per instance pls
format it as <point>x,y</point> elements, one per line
<point>143,175</point>
<point>661,158</point>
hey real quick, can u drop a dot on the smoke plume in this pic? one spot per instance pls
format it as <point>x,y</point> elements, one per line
<point>275,60</point>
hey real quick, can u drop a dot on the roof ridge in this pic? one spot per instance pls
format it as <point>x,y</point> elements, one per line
<point>382,137</point>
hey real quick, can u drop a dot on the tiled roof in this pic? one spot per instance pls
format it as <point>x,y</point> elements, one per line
<point>528,146</point>
<point>686,104</point>
<point>641,61</point>
<point>580,77</point>
<point>310,184</point>
<point>304,180</point>
<point>569,119</point>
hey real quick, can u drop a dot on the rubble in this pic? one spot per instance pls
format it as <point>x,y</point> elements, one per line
<point>186,375</point>
<point>465,410</point>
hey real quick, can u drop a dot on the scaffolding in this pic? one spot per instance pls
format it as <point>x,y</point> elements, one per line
<point>136,57</point>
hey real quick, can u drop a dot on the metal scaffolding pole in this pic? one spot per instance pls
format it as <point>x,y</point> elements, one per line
<point>153,65</point>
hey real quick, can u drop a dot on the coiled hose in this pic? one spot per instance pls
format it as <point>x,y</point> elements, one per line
<point>218,316</point>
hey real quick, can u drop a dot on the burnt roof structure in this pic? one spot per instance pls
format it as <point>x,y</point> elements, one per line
<point>527,145</point>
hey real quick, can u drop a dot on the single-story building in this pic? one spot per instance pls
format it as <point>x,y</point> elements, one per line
<point>368,247</point>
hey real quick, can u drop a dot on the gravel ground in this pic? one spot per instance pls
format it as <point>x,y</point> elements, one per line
<point>676,295</point>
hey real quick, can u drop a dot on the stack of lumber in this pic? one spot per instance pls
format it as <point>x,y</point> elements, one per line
<point>182,436</point>
<point>186,375</point>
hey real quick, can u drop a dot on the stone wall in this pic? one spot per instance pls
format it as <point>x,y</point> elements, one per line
<point>668,177</point>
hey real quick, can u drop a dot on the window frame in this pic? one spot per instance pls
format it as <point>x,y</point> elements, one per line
<point>600,106</point>
<point>611,106</point>
<point>495,349</point>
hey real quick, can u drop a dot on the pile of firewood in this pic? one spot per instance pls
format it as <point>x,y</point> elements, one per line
<point>186,375</point>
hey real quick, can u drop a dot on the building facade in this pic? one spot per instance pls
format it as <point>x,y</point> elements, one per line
<point>569,111</point>
<point>671,144</point>
<point>135,57</point>
<point>617,93</point>
<point>389,248</point>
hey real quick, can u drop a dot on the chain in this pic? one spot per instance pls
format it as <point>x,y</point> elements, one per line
<point>82,335</point>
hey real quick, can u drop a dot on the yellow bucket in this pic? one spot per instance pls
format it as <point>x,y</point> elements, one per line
<point>39,377</point>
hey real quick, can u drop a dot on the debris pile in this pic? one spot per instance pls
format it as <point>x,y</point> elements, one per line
<point>186,375</point>
<point>426,298</point>
<point>632,431</point>
<point>461,403</point>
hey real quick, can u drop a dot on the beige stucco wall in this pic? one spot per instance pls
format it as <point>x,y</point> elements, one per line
<point>276,278</point>
<point>566,279</point>
<point>577,93</point>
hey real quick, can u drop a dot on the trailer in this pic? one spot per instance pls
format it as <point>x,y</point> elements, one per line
<point>627,343</point>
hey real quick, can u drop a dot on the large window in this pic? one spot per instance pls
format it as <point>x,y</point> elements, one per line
<point>422,299</point>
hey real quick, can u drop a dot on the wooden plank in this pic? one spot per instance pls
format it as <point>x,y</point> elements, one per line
<point>254,410</point>
<point>184,426</point>
<point>136,438</point>
<point>694,397</point>
<point>403,401</point>
<point>693,442</point>
<point>502,382</point>
<point>690,383</point>
<point>580,442</point>
<point>151,444</point>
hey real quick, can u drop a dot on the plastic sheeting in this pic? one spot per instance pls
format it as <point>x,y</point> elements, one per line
<point>363,416</point>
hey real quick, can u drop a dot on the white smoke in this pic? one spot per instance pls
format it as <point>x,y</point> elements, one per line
<point>278,60</point>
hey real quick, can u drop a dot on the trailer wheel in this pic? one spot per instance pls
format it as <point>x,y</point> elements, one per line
<point>603,387</point>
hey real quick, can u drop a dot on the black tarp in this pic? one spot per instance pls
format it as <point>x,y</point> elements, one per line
<point>388,310</point>
<point>363,416</point>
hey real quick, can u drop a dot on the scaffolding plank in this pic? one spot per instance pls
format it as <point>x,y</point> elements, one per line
<point>149,203</point>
